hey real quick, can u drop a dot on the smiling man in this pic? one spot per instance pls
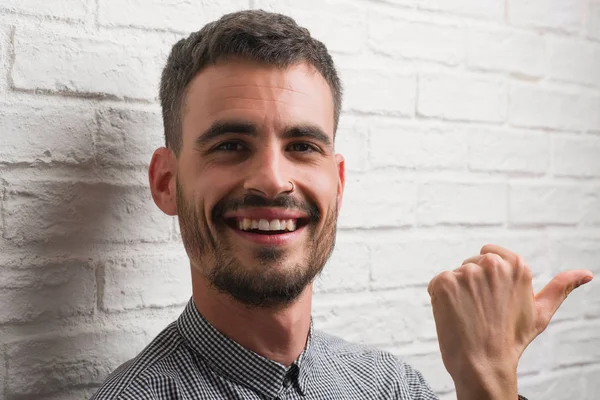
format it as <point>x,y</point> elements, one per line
<point>250,107</point>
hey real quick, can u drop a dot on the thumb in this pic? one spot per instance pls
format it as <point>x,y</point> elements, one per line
<point>556,291</point>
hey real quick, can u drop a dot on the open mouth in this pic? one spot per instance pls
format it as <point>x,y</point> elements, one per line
<point>266,226</point>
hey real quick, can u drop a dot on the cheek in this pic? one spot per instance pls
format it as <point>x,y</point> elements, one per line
<point>212,186</point>
<point>323,186</point>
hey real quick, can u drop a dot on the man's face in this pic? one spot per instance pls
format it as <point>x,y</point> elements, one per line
<point>258,183</point>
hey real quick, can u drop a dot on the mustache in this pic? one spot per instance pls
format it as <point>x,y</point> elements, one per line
<point>254,200</point>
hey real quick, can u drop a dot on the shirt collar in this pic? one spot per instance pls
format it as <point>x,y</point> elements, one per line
<point>237,363</point>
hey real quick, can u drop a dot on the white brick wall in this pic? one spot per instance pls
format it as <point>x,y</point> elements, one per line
<point>465,122</point>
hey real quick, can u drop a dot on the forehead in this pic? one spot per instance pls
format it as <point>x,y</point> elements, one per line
<point>272,98</point>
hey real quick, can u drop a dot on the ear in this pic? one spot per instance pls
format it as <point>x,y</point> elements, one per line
<point>162,174</point>
<point>341,167</point>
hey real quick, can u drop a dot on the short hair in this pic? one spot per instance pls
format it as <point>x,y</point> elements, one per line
<point>256,35</point>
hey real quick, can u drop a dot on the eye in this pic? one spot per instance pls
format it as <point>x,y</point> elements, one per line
<point>302,147</point>
<point>230,146</point>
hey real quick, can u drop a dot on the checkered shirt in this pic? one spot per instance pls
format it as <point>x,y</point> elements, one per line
<point>190,359</point>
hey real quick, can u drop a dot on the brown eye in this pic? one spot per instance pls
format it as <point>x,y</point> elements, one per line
<point>302,147</point>
<point>230,146</point>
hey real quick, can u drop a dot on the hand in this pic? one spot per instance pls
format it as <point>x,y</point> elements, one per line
<point>486,314</point>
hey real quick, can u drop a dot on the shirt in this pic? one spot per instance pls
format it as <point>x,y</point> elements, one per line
<point>191,359</point>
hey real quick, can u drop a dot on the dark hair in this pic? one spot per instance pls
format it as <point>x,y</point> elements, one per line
<point>256,35</point>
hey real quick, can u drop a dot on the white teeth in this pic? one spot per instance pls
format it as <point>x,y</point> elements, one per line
<point>263,225</point>
<point>290,225</point>
<point>274,225</point>
<point>246,224</point>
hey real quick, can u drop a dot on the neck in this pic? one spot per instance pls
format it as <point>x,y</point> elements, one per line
<point>278,333</point>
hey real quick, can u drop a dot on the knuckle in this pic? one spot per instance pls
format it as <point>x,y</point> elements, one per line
<point>446,277</point>
<point>491,260</point>
<point>470,268</point>
<point>527,274</point>
<point>444,283</point>
<point>521,269</point>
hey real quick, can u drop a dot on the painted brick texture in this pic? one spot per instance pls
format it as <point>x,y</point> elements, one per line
<point>464,122</point>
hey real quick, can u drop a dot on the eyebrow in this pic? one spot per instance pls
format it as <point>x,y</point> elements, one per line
<point>220,128</point>
<point>307,131</point>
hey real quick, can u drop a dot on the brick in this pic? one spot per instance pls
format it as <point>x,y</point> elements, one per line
<point>180,16</point>
<point>534,359</point>
<point>574,61</point>
<point>5,61</point>
<point>379,92</point>
<point>458,203</point>
<point>571,338</point>
<point>591,213</point>
<point>409,3</point>
<point>590,380</point>
<point>128,137</point>
<point>67,133</point>
<point>544,204</point>
<point>72,394</point>
<point>536,107</point>
<point>472,98</point>
<point>486,9</point>
<point>501,150</point>
<point>349,34</point>
<point>67,360</point>
<point>506,50</point>
<point>65,9</point>
<point>145,281</point>
<point>46,289</point>
<point>593,21</point>
<point>376,318</point>
<point>576,155</point>
<point>403,261</point>
<point>3,375</point>
<point>558,385</point>
<point>348,268</point>
<point>351,142</point>
<point>399,144</point>
<point>557,15</point>
<point>85,66</point>
<point>389,199</point>
<point>67,213</point>
<point>394,37</point>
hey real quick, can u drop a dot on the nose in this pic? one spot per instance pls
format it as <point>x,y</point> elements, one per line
<point>268,173</point>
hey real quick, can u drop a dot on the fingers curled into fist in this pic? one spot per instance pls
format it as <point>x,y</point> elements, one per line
<point>486,312</point>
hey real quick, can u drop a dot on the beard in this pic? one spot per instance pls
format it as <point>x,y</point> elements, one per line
<point>269,279</point>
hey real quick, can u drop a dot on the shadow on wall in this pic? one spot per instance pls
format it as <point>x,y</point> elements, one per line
<point>71,196</point>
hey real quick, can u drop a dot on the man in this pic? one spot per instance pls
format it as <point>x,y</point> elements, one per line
<point>250,106</point>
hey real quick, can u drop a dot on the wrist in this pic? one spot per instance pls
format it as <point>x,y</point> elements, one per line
<point>491,382</point>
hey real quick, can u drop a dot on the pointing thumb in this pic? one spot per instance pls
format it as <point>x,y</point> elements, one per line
<point>556,291</point>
